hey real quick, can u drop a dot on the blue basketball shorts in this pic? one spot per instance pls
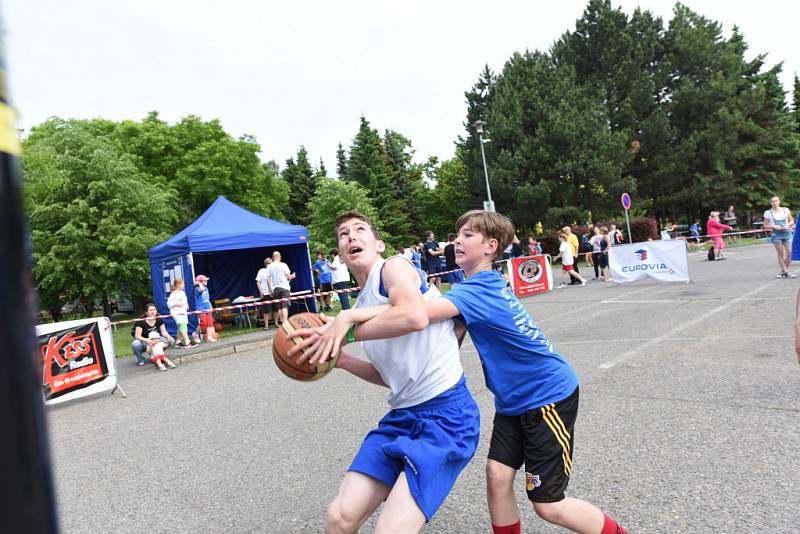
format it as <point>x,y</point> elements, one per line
<point>431,442</point>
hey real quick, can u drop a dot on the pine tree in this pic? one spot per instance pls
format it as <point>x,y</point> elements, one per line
<point>369,167</point>
<point>302,182</point>
<point>321,170</point>
<point>341,163</point>
<point>796,103</point>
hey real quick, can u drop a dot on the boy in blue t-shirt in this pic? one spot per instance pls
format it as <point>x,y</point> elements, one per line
<point>535,389</point>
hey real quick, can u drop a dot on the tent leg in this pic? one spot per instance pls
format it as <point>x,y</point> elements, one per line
<point>121,391</point>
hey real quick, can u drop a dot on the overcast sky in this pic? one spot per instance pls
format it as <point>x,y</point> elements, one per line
<point>302,72</point>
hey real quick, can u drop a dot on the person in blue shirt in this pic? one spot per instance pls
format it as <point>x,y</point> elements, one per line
<point>323,268</point>
<point>695,231</point>
<point>535,389</point>
<point>202,301</point>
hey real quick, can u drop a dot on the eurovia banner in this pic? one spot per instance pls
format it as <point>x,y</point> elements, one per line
<point>76,359</point>
<point>531,275</point>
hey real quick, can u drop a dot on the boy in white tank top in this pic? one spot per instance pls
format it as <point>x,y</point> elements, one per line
<point>414,456</point>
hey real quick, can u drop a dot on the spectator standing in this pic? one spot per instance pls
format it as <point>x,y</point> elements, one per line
<point>605,245</point>
<point>202,300</point>
<point>457,276</point>
<point>596,242</point>
<point>565,252</point>
<point>715,229</point>
<point>533,246</point>
<point>779,220</point>
<point>614,235</point>
<point>323,267</point>
<point>279,280</point>
<point>142,330</point>
<point>262,284</point>
<point>340,277</point>
<point>586,246</point>
<point>178,306</point>
<point>432,252</point>
<point>730,219</point>
<point>415,257</point>
<point>695,231</point>
<point>572,239</point>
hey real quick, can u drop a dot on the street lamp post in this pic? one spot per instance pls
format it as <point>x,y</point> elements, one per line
<point>488,205</point>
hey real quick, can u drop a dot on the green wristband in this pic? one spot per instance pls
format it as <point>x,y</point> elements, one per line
<point>351,333</point>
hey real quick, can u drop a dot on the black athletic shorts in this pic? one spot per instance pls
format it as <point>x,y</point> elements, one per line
<point>266,309</point>
<point>280,293</point>
<point>325,286</point>
<point>542,440</point>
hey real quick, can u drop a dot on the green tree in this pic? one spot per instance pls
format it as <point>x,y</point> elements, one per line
<point>369,167</point>
<point>201,161</point>
<point>449,198</point>
<point>341,163</point>
<point>92,213</point>
<point>302,181</point>
<point>332,198</point>
<point>796,103</point>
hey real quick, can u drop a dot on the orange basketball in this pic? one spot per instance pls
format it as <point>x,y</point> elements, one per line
<point>281,345</point>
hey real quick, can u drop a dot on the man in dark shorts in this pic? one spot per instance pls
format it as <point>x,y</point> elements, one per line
<point>431,252</point>
<point>279,277</point>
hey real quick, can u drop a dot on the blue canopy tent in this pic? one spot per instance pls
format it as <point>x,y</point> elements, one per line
<point>228,244</point>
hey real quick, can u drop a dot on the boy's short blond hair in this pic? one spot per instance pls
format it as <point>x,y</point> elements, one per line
<point>490,226</point>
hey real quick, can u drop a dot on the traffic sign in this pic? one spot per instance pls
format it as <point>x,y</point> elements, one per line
<point>626,201</point>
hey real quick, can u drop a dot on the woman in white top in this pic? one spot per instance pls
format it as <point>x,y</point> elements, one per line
<point>779,220</point>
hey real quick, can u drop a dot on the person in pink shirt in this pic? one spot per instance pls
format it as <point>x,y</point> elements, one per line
<point>714,228</point>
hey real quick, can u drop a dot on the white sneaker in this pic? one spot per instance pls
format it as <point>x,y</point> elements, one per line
<point>161,367</point>
<point>171,365</point>
<point>781,274</point>
<point>583,283</point>
<point>561,286</point>
<point>787,274</point>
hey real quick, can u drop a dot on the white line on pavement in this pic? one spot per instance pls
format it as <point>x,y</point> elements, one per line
<point>638,350</point>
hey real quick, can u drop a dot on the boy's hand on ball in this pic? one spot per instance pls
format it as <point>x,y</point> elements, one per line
<point>309,338</point>
<point>327,340</point>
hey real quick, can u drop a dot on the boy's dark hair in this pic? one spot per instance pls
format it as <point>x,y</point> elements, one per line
<point>451,236</point>
<point>490,226</point>
<point>356,215</point>
<point>428,233</point>
<point>333,252</point>
<point>320,253</point>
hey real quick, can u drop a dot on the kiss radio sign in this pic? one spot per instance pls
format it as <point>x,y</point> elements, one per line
<point>530,275</point>
<point>77,359</point>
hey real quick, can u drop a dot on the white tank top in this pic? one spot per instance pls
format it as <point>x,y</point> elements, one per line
<point>417,366</point>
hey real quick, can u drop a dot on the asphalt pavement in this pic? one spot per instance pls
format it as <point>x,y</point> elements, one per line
<point>689,421</point>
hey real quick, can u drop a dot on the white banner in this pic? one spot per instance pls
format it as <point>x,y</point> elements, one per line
<point>664,260</point>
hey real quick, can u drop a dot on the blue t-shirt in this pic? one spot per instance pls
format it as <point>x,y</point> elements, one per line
<point>415,259</point>
<point>324,268</point>
<point>796,243</point>
<point>202,298</point>
<point>520,365</point>
<point>695,229</point>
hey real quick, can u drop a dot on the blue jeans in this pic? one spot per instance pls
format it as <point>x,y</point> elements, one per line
<point>140,349</point>
<point>344,298</point>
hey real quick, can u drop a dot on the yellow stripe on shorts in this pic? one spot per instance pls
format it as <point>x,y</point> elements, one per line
<point>551,417</point>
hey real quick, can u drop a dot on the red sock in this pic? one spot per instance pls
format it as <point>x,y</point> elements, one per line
<point>516,528</point>
<point>611,527</point>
